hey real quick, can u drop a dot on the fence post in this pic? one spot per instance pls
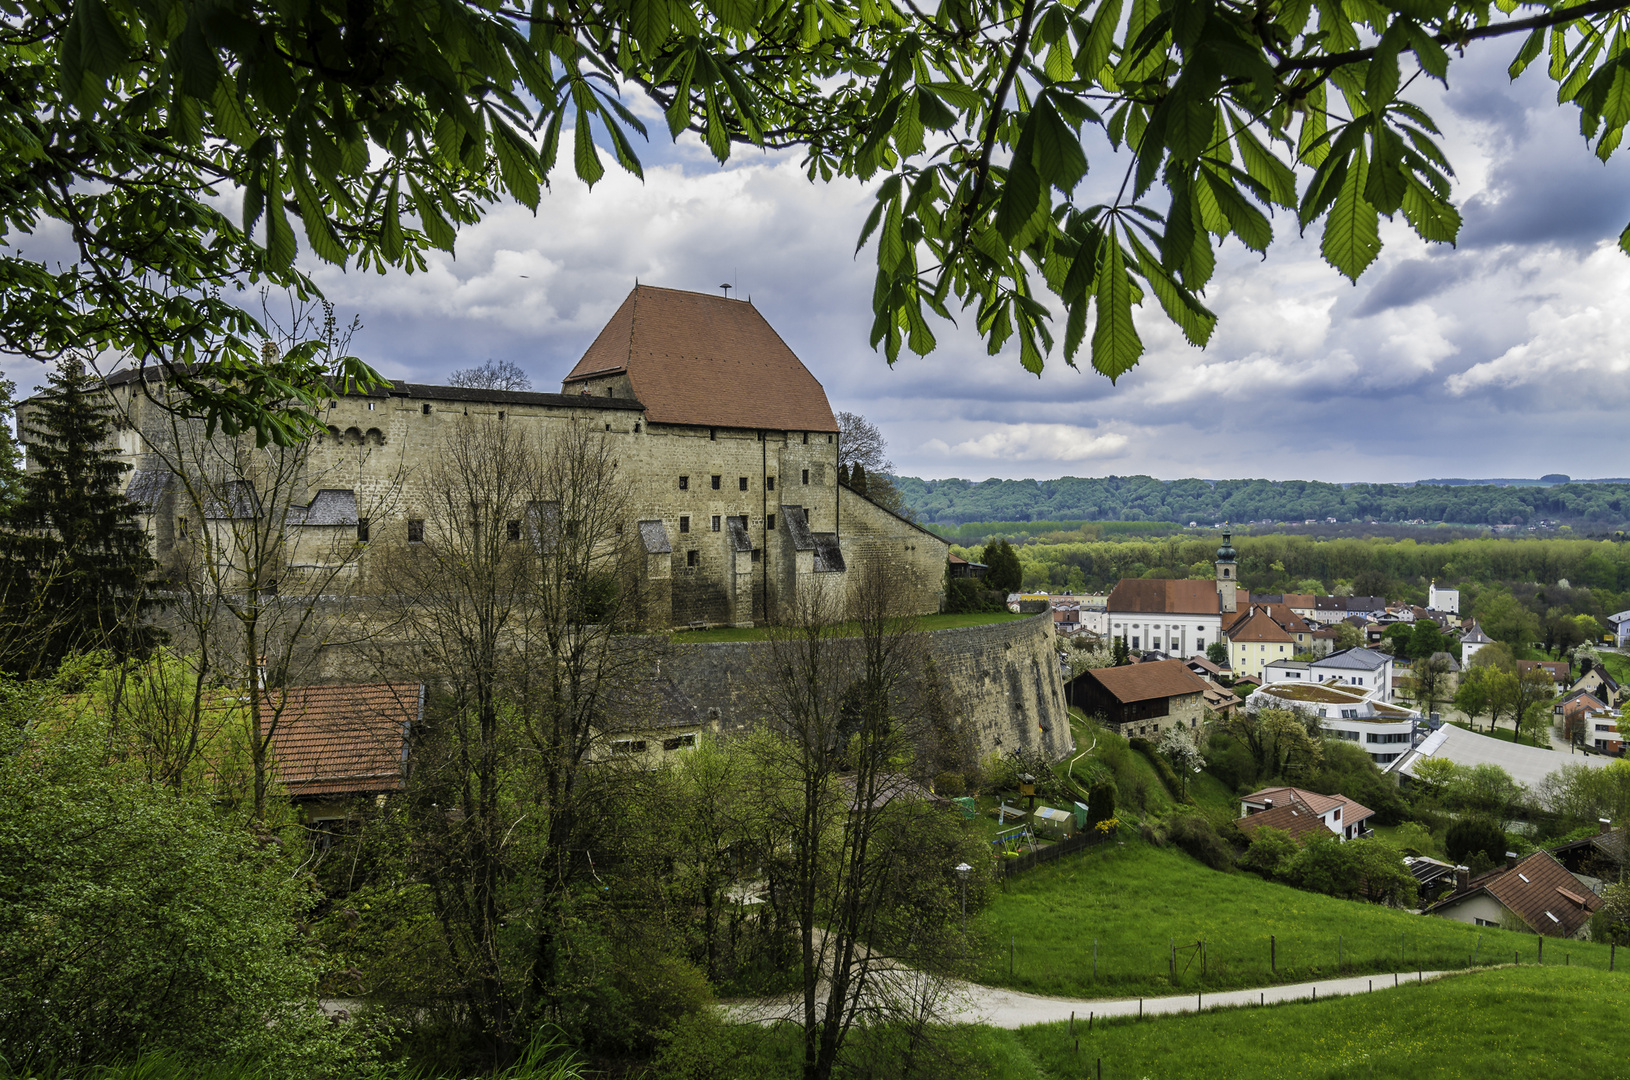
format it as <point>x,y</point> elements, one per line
<point>1010,956</point>
<point>1273,953</point>
<point>1094,959</point>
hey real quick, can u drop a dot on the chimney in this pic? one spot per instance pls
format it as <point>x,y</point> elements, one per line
<point>1463,878</point>
<point>1604,825</point>
<point>1267,804</point>
<point>1511,860</point>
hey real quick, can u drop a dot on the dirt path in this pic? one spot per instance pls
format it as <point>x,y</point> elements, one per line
<point>975,1004</point>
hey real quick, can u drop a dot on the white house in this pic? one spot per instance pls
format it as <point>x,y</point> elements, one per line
<point>1470,642</point>
<point>1444,600</point>
<point>1386,732</point>
<point>1620,624</point>
<point>1360,667</point>
<point>1300,812</point>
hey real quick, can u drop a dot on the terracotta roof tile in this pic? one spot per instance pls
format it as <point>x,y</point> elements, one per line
<point>697,359</point>
<point>1299,821</point>
<point>1539,891</point>
<point>1159,595</point>
<point>1141,682</point>
<point>1258,626</point>
<point>339,739</point>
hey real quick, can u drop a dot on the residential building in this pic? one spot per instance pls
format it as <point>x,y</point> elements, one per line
<point>1604,730</point>
<point>1331,608</point>
<point>1536,893</point>
<point>1304,813</point>
<point>1444,600</point>
<point>1568,714</point>
<point>1385,731</point>
<point>1598,681</point>
<point>1604,856</point>
<point>1471,641</point>
<point>1256,640</point>
<point>962,568</point>
<point>1618,625</point>
<point>334,744</point>
<point>1140,699</point>
<point>1560,671</point>
<point>1364,668</point>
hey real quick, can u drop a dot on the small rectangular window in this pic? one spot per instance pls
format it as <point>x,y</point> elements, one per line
<point>181,527</point>
<point>769,522</point>
<point>715,522</point>
<point>684,483</point>
<point>684,524</point>
<point>806,476</point>
<point>426,408</point>
<point>716,483</point>
<point>741,484</point>
<point>769,483</point>
<point>500,414</point>
<point>512,531</point>
<point>370,406</point>
<point>362,530</point>
<point>755,554</point>
<point>415,530</point>
<point>690,558</point>
<point>806,438</point>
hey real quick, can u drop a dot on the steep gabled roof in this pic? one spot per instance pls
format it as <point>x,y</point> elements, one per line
<point>1258,625</point>
<point>697,359</point>
<point>1159,596</point>
<point>1539,891</point>
<point>1142,682</point>
<point>341,739</point>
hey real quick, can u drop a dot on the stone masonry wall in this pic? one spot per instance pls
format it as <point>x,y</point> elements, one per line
<point>1003,679</point>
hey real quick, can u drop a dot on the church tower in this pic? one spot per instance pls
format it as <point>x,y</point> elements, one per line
<point>1227,576</point>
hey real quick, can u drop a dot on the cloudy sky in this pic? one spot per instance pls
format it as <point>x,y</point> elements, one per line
<point>1505,356</point>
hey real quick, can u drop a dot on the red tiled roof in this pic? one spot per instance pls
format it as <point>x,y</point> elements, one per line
<point>1141,682</point>
<point>341,740</point>
<point>1351,813</point>
<point>704,360</point>
<point>1556,669</point>
<point>1297,820</point>
<point>1258,626</point>
<point>1539,891</point>
<point>1167,597</point>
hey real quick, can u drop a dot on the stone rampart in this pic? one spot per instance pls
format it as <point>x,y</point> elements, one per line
<point>1003,680</point>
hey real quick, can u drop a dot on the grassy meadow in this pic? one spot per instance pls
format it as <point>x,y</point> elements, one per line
<point>1138,901</point>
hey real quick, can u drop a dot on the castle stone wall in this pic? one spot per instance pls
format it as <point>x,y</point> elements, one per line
<point>1003,681</point>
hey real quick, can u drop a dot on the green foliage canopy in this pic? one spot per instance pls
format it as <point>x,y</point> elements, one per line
<point>369,134</point>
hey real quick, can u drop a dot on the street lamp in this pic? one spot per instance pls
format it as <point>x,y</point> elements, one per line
<point>962,873</point>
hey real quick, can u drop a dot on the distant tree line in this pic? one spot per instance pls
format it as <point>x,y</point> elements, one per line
<point>1144,498</point>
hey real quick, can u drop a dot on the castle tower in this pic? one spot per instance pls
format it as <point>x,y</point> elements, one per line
<point>1227,576</point>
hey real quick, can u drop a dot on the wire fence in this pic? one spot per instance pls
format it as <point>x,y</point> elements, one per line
<point>1009,865</point>
<point>1154,966</point>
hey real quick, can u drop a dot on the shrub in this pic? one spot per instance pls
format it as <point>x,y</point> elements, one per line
<point>1100,803</point>
<point>1194,834</point>
<point>1163,768</point>
<point>1271,853</point>
<point>1230,761</point>
<point>950,784</point>
<point>1475,836</point>
<point>969,596</point>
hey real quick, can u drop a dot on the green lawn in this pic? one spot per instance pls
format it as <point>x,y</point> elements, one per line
<point>925,623</point>
<point>1508,1023</point>
<point>1617,666</point>
<point>1137,901</point>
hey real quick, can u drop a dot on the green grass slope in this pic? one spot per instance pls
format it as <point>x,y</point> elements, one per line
<point>1512,1022</point>
<point>1138,901</point>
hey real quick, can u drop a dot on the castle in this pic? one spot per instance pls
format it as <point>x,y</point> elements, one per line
<point>727,441</point>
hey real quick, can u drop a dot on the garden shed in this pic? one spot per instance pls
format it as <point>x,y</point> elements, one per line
<point>1054,824</point>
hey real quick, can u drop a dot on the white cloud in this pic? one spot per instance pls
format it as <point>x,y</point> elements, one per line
<point>1034,442</point>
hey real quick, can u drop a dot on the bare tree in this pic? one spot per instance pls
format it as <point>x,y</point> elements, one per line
<point>265,560</point>
<point>869,871</point>
<point>861,443</point>
<point>510,607</point>
<point>493,375</point>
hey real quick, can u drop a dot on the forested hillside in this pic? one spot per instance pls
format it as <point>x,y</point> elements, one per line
<point>1589,506</point>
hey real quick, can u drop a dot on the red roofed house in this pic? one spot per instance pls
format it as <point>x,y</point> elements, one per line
<point>1536,893</point>
<point>1140,699</point>
<point>333,744</point>
<point>1303,813</point>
